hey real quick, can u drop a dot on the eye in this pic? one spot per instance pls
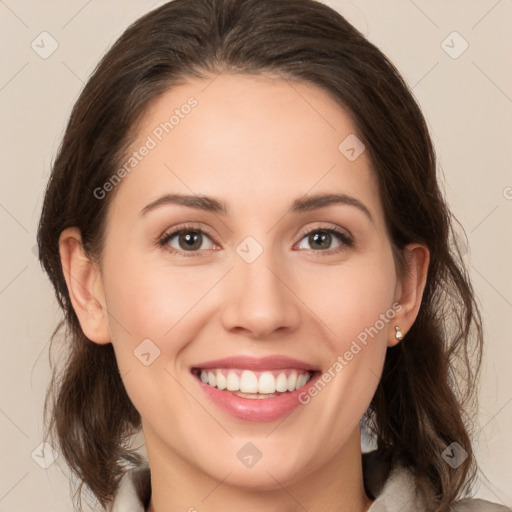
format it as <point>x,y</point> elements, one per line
<point>187,239</point>
<point>191,241</point>
<point>321,239</point>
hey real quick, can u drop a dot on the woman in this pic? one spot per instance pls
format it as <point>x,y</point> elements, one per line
<point>246,235</point>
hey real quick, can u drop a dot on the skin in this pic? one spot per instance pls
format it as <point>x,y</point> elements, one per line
<point>257,143</point>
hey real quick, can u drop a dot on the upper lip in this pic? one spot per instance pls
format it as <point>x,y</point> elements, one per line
<point>257,364</point>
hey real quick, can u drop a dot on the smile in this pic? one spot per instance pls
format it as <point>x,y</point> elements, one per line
<point>254,384</point>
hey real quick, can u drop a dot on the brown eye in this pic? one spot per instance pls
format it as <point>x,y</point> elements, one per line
<point>190,241</point>
<point>186,240</point>
<point>321,240</point>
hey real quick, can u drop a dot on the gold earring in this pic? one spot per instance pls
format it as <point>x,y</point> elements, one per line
<point>398,334</point>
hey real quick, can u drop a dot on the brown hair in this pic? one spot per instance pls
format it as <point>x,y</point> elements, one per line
<point>426,385</point>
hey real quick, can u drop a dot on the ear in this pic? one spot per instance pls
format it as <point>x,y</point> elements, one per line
<point>85,286</point>
<point>410,289</point>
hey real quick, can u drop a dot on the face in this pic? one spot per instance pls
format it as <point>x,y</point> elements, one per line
<point>253,281</point>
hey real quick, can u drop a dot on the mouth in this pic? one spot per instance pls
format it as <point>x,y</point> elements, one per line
<point>255,389</point>
<point>254,384</point>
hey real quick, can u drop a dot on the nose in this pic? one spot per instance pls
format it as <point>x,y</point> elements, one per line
<point>260,300</point>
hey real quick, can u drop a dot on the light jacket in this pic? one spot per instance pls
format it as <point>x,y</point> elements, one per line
<point>398,492</point>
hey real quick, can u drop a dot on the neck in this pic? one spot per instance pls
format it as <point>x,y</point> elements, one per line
<point>336,485</point>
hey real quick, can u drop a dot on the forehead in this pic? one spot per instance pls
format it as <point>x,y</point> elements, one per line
<point>250,139</point>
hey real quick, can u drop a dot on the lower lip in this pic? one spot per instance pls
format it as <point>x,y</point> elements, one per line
<point>256,409</point>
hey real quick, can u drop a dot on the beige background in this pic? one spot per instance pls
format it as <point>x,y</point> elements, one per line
<point>467,101</point>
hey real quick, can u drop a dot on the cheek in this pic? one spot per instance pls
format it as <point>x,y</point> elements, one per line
<point>354,303</point>
<point>354,357</point>
<point>152,317</point>
<point>150,301</point>
<point>352,299</point>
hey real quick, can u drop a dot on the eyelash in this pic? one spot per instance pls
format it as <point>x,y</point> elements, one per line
<point>344,238</point>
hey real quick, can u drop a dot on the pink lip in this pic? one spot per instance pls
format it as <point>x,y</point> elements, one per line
<point>256,410</point>
<point>257,364</point>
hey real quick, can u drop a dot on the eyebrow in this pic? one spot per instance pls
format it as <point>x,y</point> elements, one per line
<point>300,205</point>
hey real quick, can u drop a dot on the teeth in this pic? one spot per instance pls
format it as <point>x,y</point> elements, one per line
<point>221,381</point>
<point>255,396</point>
<point>281,383</point>
<point>266,383</point>
<point>292,382</point>
<point>248,382</point>
<point>233,382</point>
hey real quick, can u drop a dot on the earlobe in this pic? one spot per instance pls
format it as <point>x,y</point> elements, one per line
<point>85,286</point>
<point>410,291</point>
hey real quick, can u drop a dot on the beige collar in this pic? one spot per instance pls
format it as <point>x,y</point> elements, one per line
<point>394,490</point>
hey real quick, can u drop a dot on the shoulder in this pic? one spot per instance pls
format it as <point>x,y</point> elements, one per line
<point>133,490</point>
<point>472,505</point>
<point>395,488</point>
